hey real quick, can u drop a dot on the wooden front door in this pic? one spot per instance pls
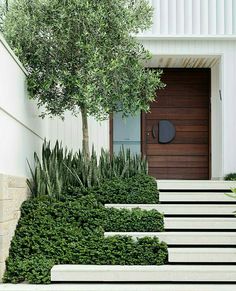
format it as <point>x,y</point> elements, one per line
<point>185,105</point>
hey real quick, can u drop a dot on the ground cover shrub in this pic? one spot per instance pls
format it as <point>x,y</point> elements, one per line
<point>140,188</point>
<point>59,169</point>
<point>230,177</point>
<point>133,220</point>
<point>51,231</point>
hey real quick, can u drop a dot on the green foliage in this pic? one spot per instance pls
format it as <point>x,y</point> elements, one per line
<point>59,170</point>
<point>71,232</point>
<point>133,220</point>
<point>34,270</point>
<point>81,54</point>
<point>233,195</point>
<point>230,177</point>
<point>138,189</point>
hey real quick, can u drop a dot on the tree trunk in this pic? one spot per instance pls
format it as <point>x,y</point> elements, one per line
<point>85,131</point>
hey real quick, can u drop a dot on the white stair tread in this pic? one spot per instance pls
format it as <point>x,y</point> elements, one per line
<point>183,209</point>
<point>185,238</point>
<point>199,223</point>
<point>202,255</point>
<point>195,185</point>
<point>164,273</point>
<point>195,197</point>
<point>119,287</point>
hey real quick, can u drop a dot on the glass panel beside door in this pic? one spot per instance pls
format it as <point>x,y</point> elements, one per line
<point>127,133</point>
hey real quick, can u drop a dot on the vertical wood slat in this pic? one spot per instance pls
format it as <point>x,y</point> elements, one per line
<point>186,144</point>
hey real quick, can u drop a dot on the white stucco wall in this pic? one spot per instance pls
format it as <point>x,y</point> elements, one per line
<point>21,130</point>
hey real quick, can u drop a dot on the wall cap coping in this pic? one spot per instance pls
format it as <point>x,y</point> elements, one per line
<point>13,55</point>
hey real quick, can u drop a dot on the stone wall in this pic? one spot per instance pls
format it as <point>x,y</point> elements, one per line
<point>13,191</point>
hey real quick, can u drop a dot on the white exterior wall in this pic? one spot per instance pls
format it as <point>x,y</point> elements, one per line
<point>193,17</point>
<point>21,130</point>
<point>69,132</point>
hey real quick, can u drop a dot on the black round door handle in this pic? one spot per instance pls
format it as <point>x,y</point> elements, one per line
<point>166,131</point>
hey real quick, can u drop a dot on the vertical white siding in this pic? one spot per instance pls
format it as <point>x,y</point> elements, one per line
<point>164,17</point>
<point>180,17</point>
<point>69,132</point>
<point>204,17</point>
<point>193,17</point>
<point>156,27</point>
<point>220,17</point>
<point>212,17</point>
<point>228,16</point>
<point>188,17</point>
<point>196,17</point>
<point>172,15</point>
<point>234,17</point>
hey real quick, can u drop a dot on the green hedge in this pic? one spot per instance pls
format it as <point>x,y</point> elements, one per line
<point>230,177</point>
<point>140,188</point>
<point>133,220</point>
<point>71,232</point>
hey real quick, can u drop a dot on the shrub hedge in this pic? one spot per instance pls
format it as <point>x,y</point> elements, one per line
<point>230,177</point>
<point>133,220</point>
<point>53,232</point>
<point>139,189</point>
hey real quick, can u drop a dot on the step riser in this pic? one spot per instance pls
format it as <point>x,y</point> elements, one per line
<point>185,238</point>
<point>194,197</point>
<point>165,273</point>
<point>120,287</point>
<point>202,255</point>
<point>182,209</point>
<point>200,223</point>
<point>201,185</point>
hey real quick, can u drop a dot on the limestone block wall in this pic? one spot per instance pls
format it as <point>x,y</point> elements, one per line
<point>13,191</point>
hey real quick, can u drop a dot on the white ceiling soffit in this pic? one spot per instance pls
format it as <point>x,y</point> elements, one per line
<point>182,62</point>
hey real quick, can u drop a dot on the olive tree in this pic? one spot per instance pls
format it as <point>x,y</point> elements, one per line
<point>82,56</point>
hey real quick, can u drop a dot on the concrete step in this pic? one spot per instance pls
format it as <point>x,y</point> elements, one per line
<point>200,223</point>
<point>196,197</point>
<point>202,255</point>
<point>195,185</point>
<point>183,209</point>
<point>119,287</point>
<point>185,238</point>
<point>164,273</point>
